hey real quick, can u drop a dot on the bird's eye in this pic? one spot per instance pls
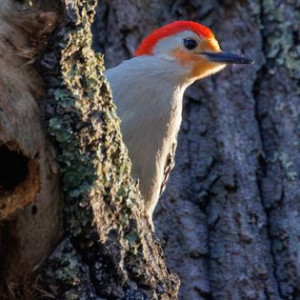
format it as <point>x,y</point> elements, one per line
<point>190,44</point>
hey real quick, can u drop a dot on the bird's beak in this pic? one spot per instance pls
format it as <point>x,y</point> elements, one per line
<point>228,58</point>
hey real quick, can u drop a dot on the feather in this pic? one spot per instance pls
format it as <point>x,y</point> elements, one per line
<point>148,93</point>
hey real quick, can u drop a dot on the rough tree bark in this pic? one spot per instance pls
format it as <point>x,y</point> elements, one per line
<point>108,250</point>
<point>230,215</point>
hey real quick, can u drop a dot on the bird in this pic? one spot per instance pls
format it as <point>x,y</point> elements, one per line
<point>148,90</point>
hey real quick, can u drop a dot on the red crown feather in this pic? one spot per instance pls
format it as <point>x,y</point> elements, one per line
<point>147,45</point>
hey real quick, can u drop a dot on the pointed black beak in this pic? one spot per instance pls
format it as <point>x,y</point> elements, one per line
<point>228,58</point>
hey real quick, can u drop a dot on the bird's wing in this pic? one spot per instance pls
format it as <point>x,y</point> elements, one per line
<point>169,165</point>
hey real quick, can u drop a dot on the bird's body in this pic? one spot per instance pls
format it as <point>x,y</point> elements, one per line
<point>150,117</point>
<point>148,91</point>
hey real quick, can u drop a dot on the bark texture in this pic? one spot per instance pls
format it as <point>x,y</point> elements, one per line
<point>108,251</point>
<point>230,215</point>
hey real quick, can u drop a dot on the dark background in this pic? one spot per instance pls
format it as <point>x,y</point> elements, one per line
<point>229,218</point>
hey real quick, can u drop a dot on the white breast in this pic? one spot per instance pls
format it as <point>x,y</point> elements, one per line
<point>148,93</point>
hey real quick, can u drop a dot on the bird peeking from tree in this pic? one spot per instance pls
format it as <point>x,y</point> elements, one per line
<point>148,91</point>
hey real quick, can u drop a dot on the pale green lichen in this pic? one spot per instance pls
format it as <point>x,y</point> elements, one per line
<point>286,163</point>
<point>280,44</point>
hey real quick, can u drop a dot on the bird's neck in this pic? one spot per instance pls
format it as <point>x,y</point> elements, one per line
<point>154,85</point>
<point>160,71</point>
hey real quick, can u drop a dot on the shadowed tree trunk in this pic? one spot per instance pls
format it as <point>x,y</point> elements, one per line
<point>30,195</point>
<point>230,215</point>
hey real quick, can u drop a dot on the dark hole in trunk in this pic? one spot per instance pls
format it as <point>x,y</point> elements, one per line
<point>13,168</point>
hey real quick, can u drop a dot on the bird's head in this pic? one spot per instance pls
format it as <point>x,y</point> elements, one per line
<point>190,44</point>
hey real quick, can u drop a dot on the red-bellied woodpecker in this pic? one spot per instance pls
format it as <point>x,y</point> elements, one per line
<point>148,91</point>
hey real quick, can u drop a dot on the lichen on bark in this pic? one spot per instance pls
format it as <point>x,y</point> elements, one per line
<point>109,249</point>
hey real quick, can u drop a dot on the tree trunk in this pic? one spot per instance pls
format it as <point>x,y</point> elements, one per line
<point>230,215</point>
<point>108,250</point>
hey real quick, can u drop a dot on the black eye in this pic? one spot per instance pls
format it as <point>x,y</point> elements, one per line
<point>190,43</point>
